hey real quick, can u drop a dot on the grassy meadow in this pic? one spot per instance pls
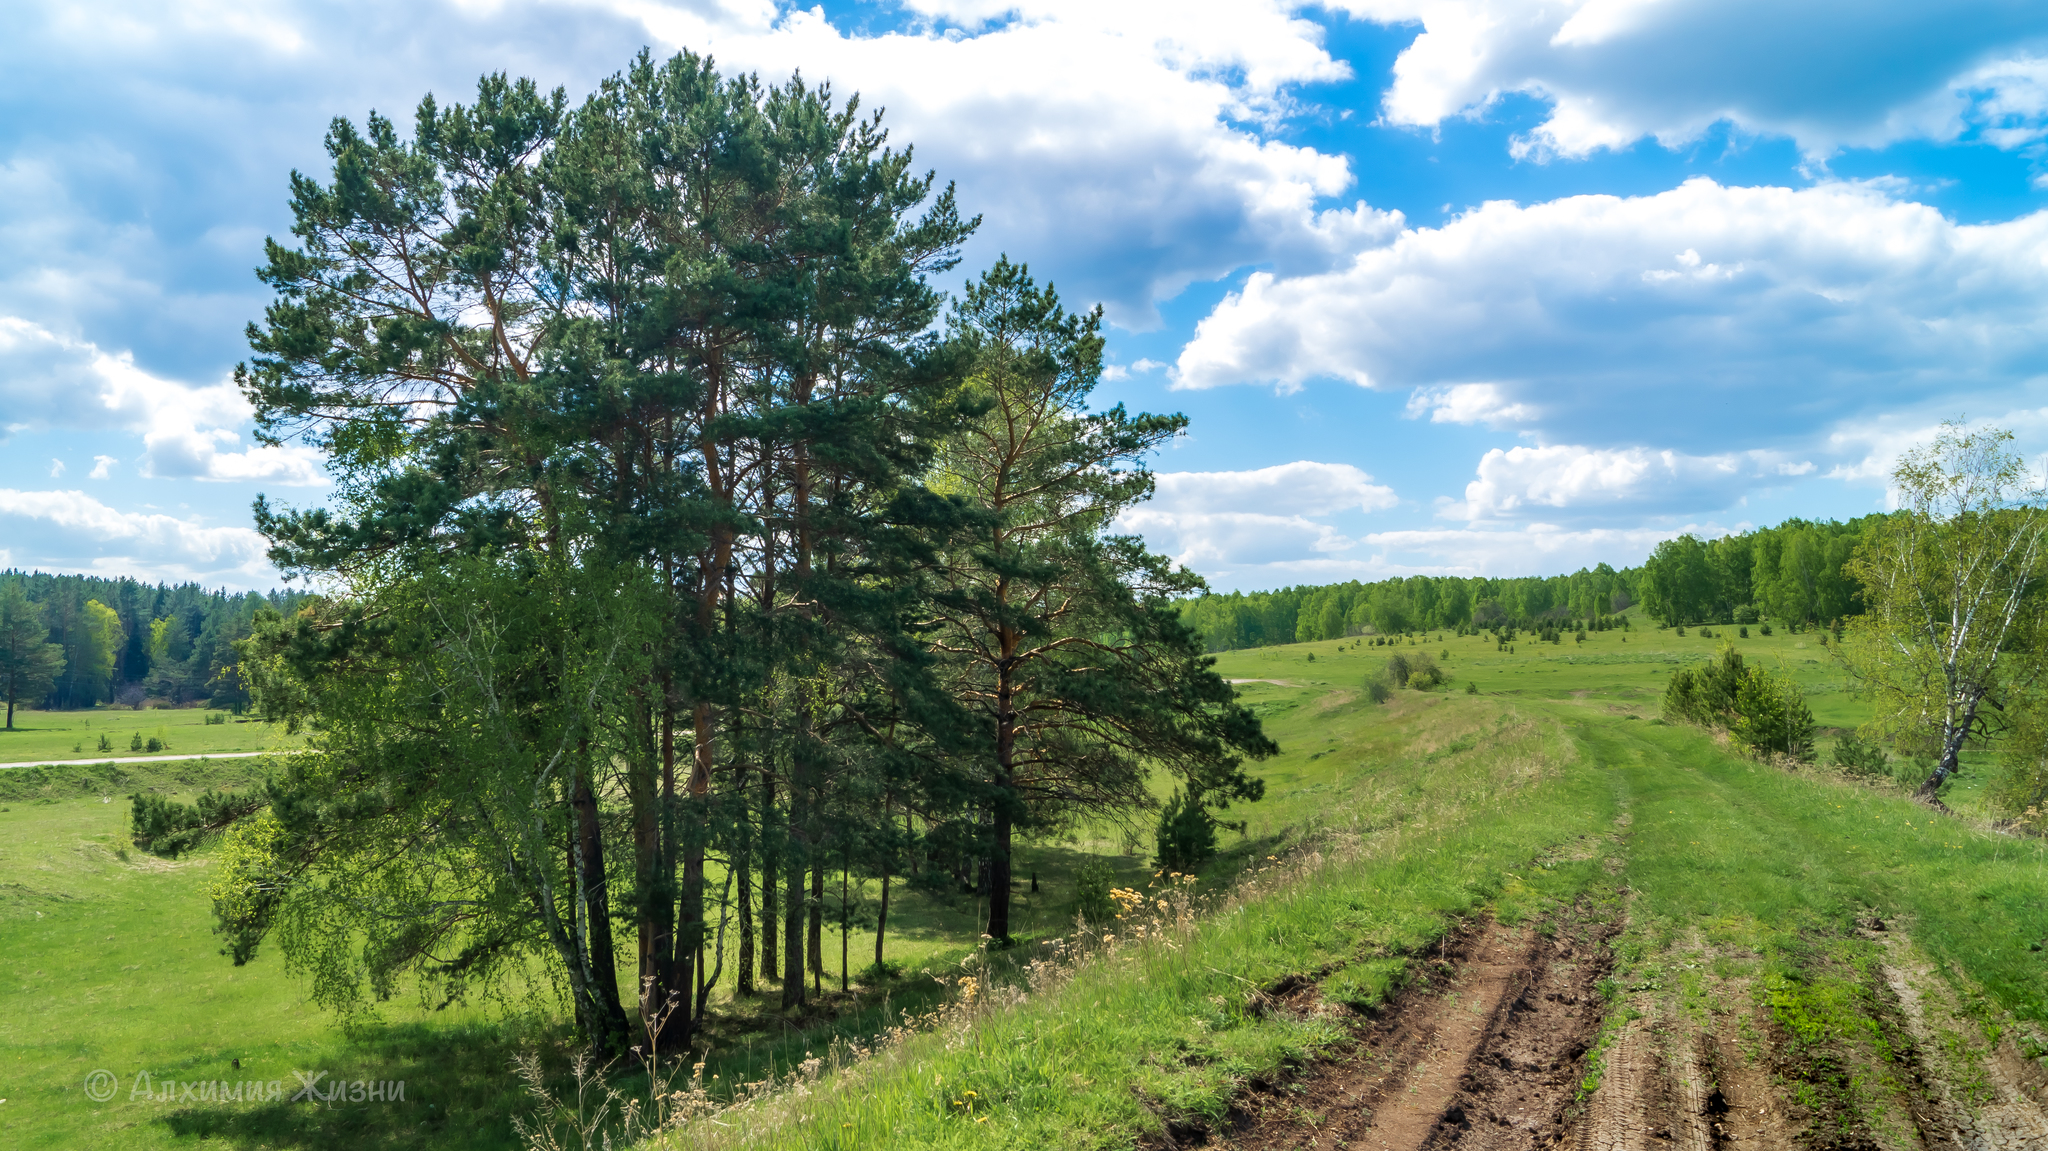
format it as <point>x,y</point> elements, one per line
<point>1383,828</point>
<point>76,735</point>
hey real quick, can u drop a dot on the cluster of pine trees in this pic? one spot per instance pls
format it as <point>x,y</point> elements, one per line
<point>69,641</point>
<point>687,558</point>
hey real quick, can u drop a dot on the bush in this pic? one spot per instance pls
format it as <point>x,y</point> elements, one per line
<point>168,828</point>
<point>1092,885</point>
<point>1772,716</point>
<point>135,744</point>
<point>1377,690</point>
<point>1765,629</point>
<point>154,745</point>
<point>1743,632</point>
<point>1414,669</point>
<point>1187,834</point>
<point>1471,687</point>
<point>876,974</point>
<point>1765,712</point>
<point>1856,757</point>
<point>1747,613</point>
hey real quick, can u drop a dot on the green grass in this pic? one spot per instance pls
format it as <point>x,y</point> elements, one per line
<point>75,735</point>
<point>1390,822</point>
<point>109,964</point>
<point>1446,804</point>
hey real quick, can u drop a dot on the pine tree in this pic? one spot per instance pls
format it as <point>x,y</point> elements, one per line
<point>29,663</point>
<point>1064,639</point>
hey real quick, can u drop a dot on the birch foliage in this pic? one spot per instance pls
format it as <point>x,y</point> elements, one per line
<point>1952,586</point>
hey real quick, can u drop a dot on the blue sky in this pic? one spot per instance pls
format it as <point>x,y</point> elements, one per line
<point>1477,287</point>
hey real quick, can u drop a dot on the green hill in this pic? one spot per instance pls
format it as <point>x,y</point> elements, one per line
<point>1499,916</point>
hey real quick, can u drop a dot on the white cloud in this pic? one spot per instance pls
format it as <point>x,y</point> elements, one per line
<point>1808,305</point>
<point>1827,75</point>
<point>1476,551</point>
<point>186,430</point>
<point>1519,482</point>
<point>1303,487</point>
<point>102,467</point>
<point>1125,143</point>
<point>1468,404</point>
<point>1204,519</point>
<point>143,545</point>
<point>56,468</point>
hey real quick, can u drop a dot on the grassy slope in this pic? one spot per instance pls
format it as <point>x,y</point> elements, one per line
<point>1431,807</point>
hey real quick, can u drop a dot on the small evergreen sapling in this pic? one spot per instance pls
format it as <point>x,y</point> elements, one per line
<point>1187,834</point>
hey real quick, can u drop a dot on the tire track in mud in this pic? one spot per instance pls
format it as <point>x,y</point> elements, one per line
<point>1483,1051</point>
<point>1974,1093</point>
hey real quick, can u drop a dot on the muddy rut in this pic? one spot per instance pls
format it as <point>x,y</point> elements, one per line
<point>1495,1043</point>
<point>1483,1050</point>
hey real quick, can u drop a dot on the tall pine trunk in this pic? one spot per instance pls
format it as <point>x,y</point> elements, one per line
<point>743,873</point>
<point>607,1028</point>
<point>1005,798</point>
<point>770,878</point>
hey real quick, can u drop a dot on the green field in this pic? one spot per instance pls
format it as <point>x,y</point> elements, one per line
<point>76,735</point>
<point>1384,826</point>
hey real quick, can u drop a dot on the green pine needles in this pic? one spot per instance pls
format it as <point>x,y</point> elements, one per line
<point>1765,712</point>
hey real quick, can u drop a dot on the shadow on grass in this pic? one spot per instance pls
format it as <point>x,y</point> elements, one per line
<point>460,1092</point>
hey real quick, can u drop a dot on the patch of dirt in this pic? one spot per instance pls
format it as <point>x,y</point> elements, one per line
<point>1484,1051</point>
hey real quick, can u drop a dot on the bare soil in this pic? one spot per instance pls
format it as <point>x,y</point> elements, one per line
<point>1493,1045</point>
<point>1483,1050</point>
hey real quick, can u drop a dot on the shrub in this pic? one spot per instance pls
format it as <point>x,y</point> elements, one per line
<point>1772,716</point>
<point>1856,757</point>
<point>1414,669</point>
<point>1471,687</point>
<point>1377,690</point>
<point>154,745</point>
<point>1092,885</point>
<point>1765,712</point>
<point>1747,613</point>
<point>1765,629</point>
<point>135,744</point>
<point>1187,834</point>
<point>105,743</point>
<point>1743,632</point>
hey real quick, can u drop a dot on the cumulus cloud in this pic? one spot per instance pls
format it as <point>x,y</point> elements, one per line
<point>1129,144</point>
<point>1205,519</point>
<point>1497,550</point>
<point>187,430</point>
<point>1303,487</point>
<point>1468,404</point>
<point>1827,75</point>
<point>1822,302</point>
<point>1518,482</point>
<point>59,530</point>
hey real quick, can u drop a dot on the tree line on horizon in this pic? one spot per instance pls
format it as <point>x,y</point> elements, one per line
<point>1795,574</point>
<point>77,641</point>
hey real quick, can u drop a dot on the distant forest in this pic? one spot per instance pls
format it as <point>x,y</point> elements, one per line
<point>126,641</point>
<point>174,644</point>
<point>1790,574</point>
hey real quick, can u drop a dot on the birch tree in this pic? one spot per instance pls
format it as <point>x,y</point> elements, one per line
<point>1952,586</point>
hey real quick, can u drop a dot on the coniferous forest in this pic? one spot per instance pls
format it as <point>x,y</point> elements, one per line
<point>119,640</point>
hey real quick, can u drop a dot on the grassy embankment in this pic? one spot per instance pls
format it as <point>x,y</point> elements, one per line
<point>1424,810</point>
